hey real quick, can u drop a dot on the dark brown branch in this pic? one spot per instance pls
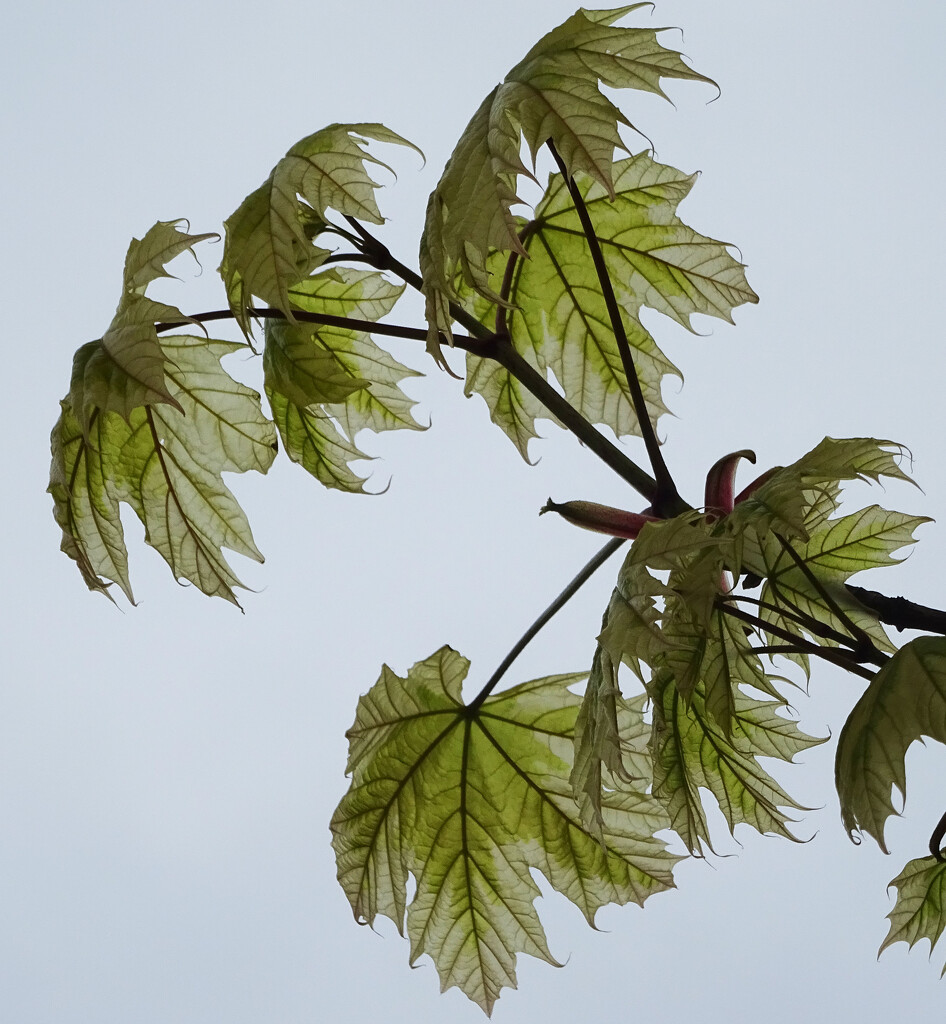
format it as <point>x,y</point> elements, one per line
<point>899,612</point>
<point>349,323</point>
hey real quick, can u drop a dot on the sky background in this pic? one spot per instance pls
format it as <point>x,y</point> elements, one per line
<point>167,772</point>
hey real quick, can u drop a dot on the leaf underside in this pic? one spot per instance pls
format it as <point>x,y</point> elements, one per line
<point>905,702</point>
<point>552,93</point>
<point>268,245</point>
<point>325,384</point>
<point>165,461</point>
<point>920,908</point>
<point>468,801</point>
<point>557,318</point>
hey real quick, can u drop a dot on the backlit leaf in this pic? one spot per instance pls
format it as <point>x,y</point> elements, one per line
<point>920,910</point>
<point>326,383</point>
<point>904,702</point>
<point>468,799</point>
<point>692,753</point>
<point>558,318</point>
<point>268,245</point>
<point>166,462</point>
<point>553,93</point>
<point>125,368</point>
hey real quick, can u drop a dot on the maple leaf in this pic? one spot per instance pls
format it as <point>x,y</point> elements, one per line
<point>468,799</point>
<point>920,909</point>
<point>124,369</point>
<point>691,753</point>
<point>904,702</point>
<point>552,93</point>
<point>325,383</point>
<point>558,319</point>
<point>164,460</point>
<point>268,244</point>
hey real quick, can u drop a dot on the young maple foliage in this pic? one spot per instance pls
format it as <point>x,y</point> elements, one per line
<point>682,702</point>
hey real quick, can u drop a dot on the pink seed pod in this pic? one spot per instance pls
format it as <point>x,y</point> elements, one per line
<point>589,515</point>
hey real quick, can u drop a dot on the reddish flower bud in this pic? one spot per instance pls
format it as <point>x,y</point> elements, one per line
<point>721,481</point>
<point>589,515</point>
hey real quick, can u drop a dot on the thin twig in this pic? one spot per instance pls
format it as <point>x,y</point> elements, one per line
<point>848,660</point>
<point>576,584</point>
<point>808,622</point>
<point>666,488</point>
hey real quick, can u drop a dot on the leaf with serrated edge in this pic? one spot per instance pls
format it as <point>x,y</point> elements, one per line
<point>785,501</point>
<point>559,320</point>
<point>690,752</point>
<point>311,438</point>
<point>468,801</point>
<point>903,703</point>
<point>166,462</point>
<point>360,295</point>
<point>920,910</point>
<point>313,427</point>
<point>553,93</point>
<point>125,368</point>
<point>267,245</point>
<point>146,257</point>
<point>835,549</point>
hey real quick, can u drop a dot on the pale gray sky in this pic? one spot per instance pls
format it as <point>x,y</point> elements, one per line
<point>167,772</point>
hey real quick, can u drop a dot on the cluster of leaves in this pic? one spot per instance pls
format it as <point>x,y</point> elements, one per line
<point>469,798</point>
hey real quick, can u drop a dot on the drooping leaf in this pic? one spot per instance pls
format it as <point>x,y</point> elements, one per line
<point>553,93</point>
<point>147,257</point>
<point>311,438</point>
<point>268,246</point>
<point>325,383</point>
<point>904,702</point>
<point>468,799</point>
<point>166,462</point>
<point>511,407</point>
<point>691,752</point>
<point>920,910</point>
<point>597,740</point>
<point>125,368</point>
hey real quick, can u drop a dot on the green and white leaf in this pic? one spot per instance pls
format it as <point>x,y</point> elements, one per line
<point>268,244</point>
<point>125,368</point>
<point>311,438</point>
<point>800,496</point>
<point>905,702</point>
<point>558,319</point>
<point>553,93</point>
<point>360,295</point>
<point>691,753</point>
<point>920,910</point>
<point>325,383</point>
<point>166,462</point>
<point>834,551</point>
<point>468,800</point>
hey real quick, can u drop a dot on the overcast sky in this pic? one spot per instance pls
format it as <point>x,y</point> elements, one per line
<point>167,772</point>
